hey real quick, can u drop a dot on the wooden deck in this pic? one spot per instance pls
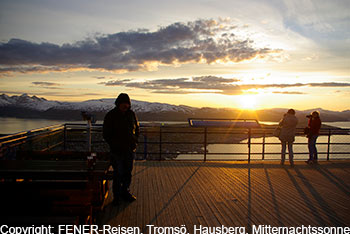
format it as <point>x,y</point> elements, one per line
<point>234,194</point>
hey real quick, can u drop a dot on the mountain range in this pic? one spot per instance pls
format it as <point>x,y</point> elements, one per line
<point>25,106</point>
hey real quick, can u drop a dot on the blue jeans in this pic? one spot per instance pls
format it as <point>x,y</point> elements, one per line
<point>122,164</point>
<point>312,147</point>
<point>290,151</point>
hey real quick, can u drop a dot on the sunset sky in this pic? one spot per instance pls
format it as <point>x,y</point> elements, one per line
<point>203,53</point>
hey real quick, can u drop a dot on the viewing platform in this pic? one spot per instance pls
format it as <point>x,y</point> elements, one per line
<point>175,193</point>
<point>178,178</point>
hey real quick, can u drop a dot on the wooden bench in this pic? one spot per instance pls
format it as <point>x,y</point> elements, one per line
<point>52,189</point>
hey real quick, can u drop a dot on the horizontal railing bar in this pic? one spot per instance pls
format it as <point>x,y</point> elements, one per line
<point>12,135</point>
<point>52,146</point>
<point>187,126</point>
<point>33,130</point>
<point>45,128</point>
<point>210,143</point>
<point>13,140</point>
<point>245,137</point>
<point>76,141</point>
<point>199,129</point>
<point>242,153</point>
<point>33,137</point>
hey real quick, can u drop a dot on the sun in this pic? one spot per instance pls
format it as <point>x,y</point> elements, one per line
<point>247,102</point>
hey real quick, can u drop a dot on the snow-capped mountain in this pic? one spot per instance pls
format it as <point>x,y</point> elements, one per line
<point>35,103</point>
<point>26,106</point>
<point>100,105</point>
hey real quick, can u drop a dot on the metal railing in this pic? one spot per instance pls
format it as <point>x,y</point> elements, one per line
<point>179,142</point>
<point>42,139</point>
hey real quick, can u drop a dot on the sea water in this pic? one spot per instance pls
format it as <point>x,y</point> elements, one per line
<point>273,145</point>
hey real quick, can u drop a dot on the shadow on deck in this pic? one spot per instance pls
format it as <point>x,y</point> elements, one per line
<point>234,194</point>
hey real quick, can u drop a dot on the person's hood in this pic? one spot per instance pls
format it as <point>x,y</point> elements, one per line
<point>122,98</point>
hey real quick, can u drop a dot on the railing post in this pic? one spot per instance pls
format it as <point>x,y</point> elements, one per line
<point>88,132</point>
<point>205,144</point>
<point>65,138</point>
<point>145,145</point>
<point>249,143</point>
<point>160,143</point>
<point>329,143</point>
<point>48,141</point>
<point>263,146</point>
<point>30,141</point>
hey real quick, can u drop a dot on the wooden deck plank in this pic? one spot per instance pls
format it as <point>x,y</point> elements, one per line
<point>181,181</point>
<point>262,199</point>
<point>189,199</point>
<point>244,193</point>
<point>303,199</point>
<point>203,199</point>
<point>214,194</point>
<point>154,193</point>
<point>291,202</point>
<point>230,204</point>
<point>172,193</point>
<point>161,196</point>
<point>173,203</point>
<point>220,199</point>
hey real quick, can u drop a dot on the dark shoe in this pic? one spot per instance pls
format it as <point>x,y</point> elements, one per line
<point>309,161</point>
<point>315,161</point>
<point>129,197</point>
<point>115,202</point>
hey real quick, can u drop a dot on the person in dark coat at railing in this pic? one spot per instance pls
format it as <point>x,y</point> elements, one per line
<point>121,131</point>
<point>314,126</point>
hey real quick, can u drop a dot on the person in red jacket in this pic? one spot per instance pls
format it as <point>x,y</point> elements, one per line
<point>314,126</point>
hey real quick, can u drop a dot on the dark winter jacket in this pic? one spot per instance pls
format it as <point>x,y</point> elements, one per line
<point>121,130</point>
<point>314,125</point>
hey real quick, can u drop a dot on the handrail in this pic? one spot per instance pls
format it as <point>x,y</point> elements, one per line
<point>30,131</point>
<point>30,134</point>
<point>159,138</point>
<point>19,139</point>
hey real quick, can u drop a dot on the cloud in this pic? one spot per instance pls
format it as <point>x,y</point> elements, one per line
<point>41,83</point>
<point>116,82</point>
<point>211,84</point>
<point>329,84</point>
<point>103,77</point>
<point>47,85</point>
<point>181,85</point>
<point>6,70</point>
<point>57,94</point>
<point>326,24</point>
<point>287,92</point>
<point>319,85</point>
<point>201,41</point>
<point>11,92</point>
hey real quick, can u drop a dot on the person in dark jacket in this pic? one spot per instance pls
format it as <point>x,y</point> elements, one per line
<point>314,125</point>
<point>121,131</point>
